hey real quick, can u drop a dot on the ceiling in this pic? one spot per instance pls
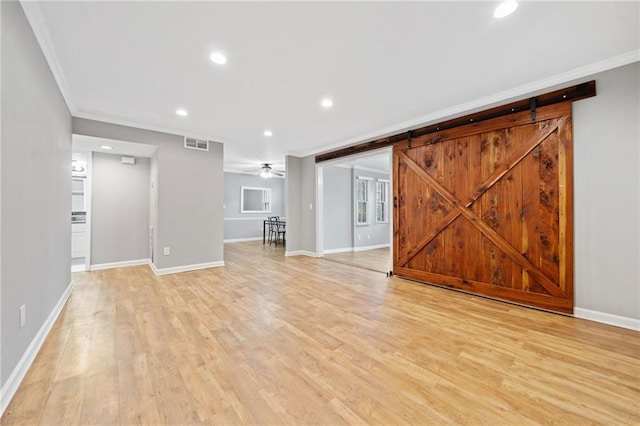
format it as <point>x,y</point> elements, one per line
<point>387,66</point>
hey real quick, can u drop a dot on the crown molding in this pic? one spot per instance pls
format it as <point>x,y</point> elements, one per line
<point>520,92</point>
<point>40,29</point>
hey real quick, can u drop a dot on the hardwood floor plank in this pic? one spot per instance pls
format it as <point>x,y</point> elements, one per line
<point>101,404</point>
<point>378,260</point>
<point>275,340</point>
<point>64,404</point>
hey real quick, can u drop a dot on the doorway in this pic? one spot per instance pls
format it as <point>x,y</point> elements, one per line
<point>80,205</point>
<point>113,203</point>
<point>355,211</point>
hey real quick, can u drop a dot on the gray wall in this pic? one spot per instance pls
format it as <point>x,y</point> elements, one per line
<point>119,210</point>
<point>190,193</point>
<point>300,202</point>
<point>248,225</point>
<point>337,208</point>
<point>35,181</point>
<point>373,234</point>
<point>607,195</point>
<point>153,205</point>
<point>292,202</point>
<point>308,204</point>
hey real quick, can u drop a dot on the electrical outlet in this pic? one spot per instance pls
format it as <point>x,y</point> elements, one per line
<point>166,251</point>
<point>310,206</point>
<point>359,237</point>
<point>23,315</point>
<point>368,237</point>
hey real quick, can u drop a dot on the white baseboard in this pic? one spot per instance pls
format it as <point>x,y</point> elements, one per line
<point>17,375</point>
<point>78,268</point>
<point>365,248</point>
<point>185,268</point>
<point>252,218</point>
<point>611,319</point>
<point>340,250</point>
<point>242,240</point>
<point>300,253</point>
<point>122,264</point>
<point>352,249</point>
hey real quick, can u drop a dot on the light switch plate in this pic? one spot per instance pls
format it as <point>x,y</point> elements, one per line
<point>23,315</point>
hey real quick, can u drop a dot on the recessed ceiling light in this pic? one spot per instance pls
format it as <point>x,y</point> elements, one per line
<point>327,103</point>
<point>218,58</point>
<point>106,147</point>
<point>505,8</point>
<point>182,112</point>
<point>268,133</point>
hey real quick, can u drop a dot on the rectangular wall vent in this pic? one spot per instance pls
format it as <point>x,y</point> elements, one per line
<point>198,144</point>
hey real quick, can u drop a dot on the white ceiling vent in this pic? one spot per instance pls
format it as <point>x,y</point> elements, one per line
<point>198,144</point>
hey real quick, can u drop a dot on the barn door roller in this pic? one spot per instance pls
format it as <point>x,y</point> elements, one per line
<point>533,104</point>
<point>568,94</point>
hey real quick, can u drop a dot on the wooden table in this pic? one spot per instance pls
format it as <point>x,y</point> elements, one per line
<point>264,228</point>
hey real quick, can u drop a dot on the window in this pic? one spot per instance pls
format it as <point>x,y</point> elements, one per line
<point>362,198</point>
<point>382,206</point>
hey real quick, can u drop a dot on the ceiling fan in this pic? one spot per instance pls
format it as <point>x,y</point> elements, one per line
<point>266,171</point>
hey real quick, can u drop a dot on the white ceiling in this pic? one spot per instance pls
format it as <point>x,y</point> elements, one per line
<point>387,65</point>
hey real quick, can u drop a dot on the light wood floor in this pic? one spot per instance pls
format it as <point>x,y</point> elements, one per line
<point>276,340</point>
<point>376,260</point>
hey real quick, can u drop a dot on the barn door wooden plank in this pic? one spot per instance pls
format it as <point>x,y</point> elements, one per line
<point>429,237</point>
<point>565,161</point>
<point>519,153</point>
<point>544,301</point>
<point>489,209</point>
<point>495,238</point>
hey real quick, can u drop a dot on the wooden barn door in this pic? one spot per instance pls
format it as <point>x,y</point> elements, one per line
<point>488,208</point>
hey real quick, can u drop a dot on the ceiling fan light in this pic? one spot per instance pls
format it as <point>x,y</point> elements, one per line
<point>265,171</point>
